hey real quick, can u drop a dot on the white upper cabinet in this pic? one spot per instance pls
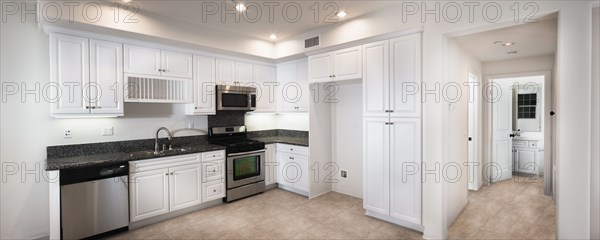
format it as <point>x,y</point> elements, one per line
<point>405,76</point>
<point>226,72</point>
<point>293,91</point>
<point>106,73</point>
<point>142,60</point>
<point>243,73</point>
<point>88,74</point>
<point>176,64</point>
<point>339,65</point>
<point>151,61</point>
<point>392,77</point>
<point>204,87</point>
<point>264,80</point>
<point>376,79</point>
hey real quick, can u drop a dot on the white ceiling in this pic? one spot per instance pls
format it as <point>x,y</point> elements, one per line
<point>192,11</point>
<point>532,39</point>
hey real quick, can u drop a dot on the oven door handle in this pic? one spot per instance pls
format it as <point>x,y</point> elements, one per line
<point>245,153</point>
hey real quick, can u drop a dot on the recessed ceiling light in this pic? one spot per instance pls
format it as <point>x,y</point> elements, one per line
<point>506,44</point>
<point>342,14</point>
<point>498,42</point>
<point>240,7</point>
<point>273,37</point>
<point>512,52</point>
<point>126,1</point>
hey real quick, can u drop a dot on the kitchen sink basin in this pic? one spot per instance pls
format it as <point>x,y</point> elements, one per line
<point>148,153</point>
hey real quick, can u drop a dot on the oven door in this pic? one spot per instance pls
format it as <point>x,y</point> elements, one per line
<point>245,168</point>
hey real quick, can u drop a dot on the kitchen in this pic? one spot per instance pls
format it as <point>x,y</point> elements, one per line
<point>170,77</point>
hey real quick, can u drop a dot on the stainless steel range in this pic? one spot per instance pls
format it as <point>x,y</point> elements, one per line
<point>245,161</point>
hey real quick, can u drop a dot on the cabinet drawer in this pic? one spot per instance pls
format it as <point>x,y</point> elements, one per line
<point>519,143</point>
<point>213,171</point>
<point>213,190</point>
<point>533,144</point>
<point>214,155</point>
<point>292,149</point>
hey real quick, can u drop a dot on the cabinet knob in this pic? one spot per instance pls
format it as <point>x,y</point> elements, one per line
<point>167,174</point>
<point>214,190</point>
<point>292,158</point>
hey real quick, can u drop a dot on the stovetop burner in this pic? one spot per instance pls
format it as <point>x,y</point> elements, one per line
<point>234,138</point>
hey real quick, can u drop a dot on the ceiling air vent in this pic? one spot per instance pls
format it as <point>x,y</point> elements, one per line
<point>311,42</point>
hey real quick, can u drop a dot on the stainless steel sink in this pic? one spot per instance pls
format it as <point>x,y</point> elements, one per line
<point>148,153</point>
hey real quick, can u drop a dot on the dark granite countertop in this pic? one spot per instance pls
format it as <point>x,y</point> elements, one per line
<point>300,141</point>
<point>87,155</point>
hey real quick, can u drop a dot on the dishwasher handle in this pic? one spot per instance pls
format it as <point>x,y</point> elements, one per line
<point>86,174</point>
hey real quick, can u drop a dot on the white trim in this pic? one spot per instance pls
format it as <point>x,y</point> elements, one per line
<point>387,218</point>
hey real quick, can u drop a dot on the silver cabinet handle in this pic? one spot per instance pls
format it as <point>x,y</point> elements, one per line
<point>167,174</point>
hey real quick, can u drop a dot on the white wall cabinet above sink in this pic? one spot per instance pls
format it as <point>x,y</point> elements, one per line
<point>345,64</point>
<point>88,75</point>
<point>156,62</point>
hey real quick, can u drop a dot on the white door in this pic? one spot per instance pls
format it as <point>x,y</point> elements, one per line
<point>289,90</point>
<point>405,165</point>
<point>405,76</point>
<point>176,64</point>
<point>204,85</point>
<point>106,77</point>
<point>264,80</point>
<point>286,172</point>
<point>320,67</point>
<point>69,70</point>
<point>347,63</point>
<point>185,186</point>
<point>302,79</point>
<point>142,60</point>
<point>225,72</point>
<point>501,168</point>
<point>303,173</point>
<point>376,167</point>
<point>376,79</point>
<point>271,164</point>
<point>149,194</point>
<point>473,129</point>
<point>243,73</point>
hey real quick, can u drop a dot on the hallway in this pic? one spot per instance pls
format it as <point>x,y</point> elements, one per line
<point>511,209</point>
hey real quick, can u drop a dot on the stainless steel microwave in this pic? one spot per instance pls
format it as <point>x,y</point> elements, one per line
<point>236,98</point>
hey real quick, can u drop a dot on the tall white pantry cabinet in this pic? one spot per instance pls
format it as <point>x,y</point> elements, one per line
<point>392,130</point>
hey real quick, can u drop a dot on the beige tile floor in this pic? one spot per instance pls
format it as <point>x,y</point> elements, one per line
<point>510,209</point>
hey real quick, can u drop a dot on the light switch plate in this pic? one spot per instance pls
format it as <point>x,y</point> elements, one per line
<point>107,131</point>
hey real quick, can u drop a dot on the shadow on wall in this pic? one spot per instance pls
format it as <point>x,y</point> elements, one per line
<point>154,110</point>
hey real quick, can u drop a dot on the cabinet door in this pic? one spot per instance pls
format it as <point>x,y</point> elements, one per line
<point>204,86</point>
<point>243,73</point>
<point>142,60</point>
<point>301,162</point>
<point>405,76</point>
<point>376,167</point>
<point>527,160</point>
<point>213,190</point>
<point>264,82</point>
<point>283,177</point>
<point>289,90</point>
<point>320,67</point>
<point>302,78</point>
<point>225,72</point>
<point>271,164</point>
<point>148,194</point>
<point>347,64</point>
<point>185,186</point>
<point>176,64</point>
<point>376,79</point>
<point>106,77</point>
<point>405,165</point>
<point>69,70</point>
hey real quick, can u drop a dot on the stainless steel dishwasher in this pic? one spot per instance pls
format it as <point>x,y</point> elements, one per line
<point>94,201</point>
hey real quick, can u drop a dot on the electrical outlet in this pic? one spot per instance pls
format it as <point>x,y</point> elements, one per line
<point>107,131</point>
<point>67,133</point>
<point>344,173</point>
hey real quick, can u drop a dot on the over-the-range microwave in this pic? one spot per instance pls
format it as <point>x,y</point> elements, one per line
<point>235,98</point>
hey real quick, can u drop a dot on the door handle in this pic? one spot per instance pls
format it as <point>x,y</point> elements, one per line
<point>511,135</point>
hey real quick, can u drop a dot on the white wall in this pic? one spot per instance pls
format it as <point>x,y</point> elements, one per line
<point>520,65</point>
<point>347,139</point>
<point>595,165</point>
<point>456,147</point>
<point>267,121</point>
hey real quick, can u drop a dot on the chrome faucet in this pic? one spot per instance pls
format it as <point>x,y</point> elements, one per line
<point>169,137</point>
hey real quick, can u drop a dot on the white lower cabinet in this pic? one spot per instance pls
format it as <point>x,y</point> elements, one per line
<point>293,172</point>
<point>271,165</point>
<point>526,156</point>
<point>391,163</point>
<point>163,185</point>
